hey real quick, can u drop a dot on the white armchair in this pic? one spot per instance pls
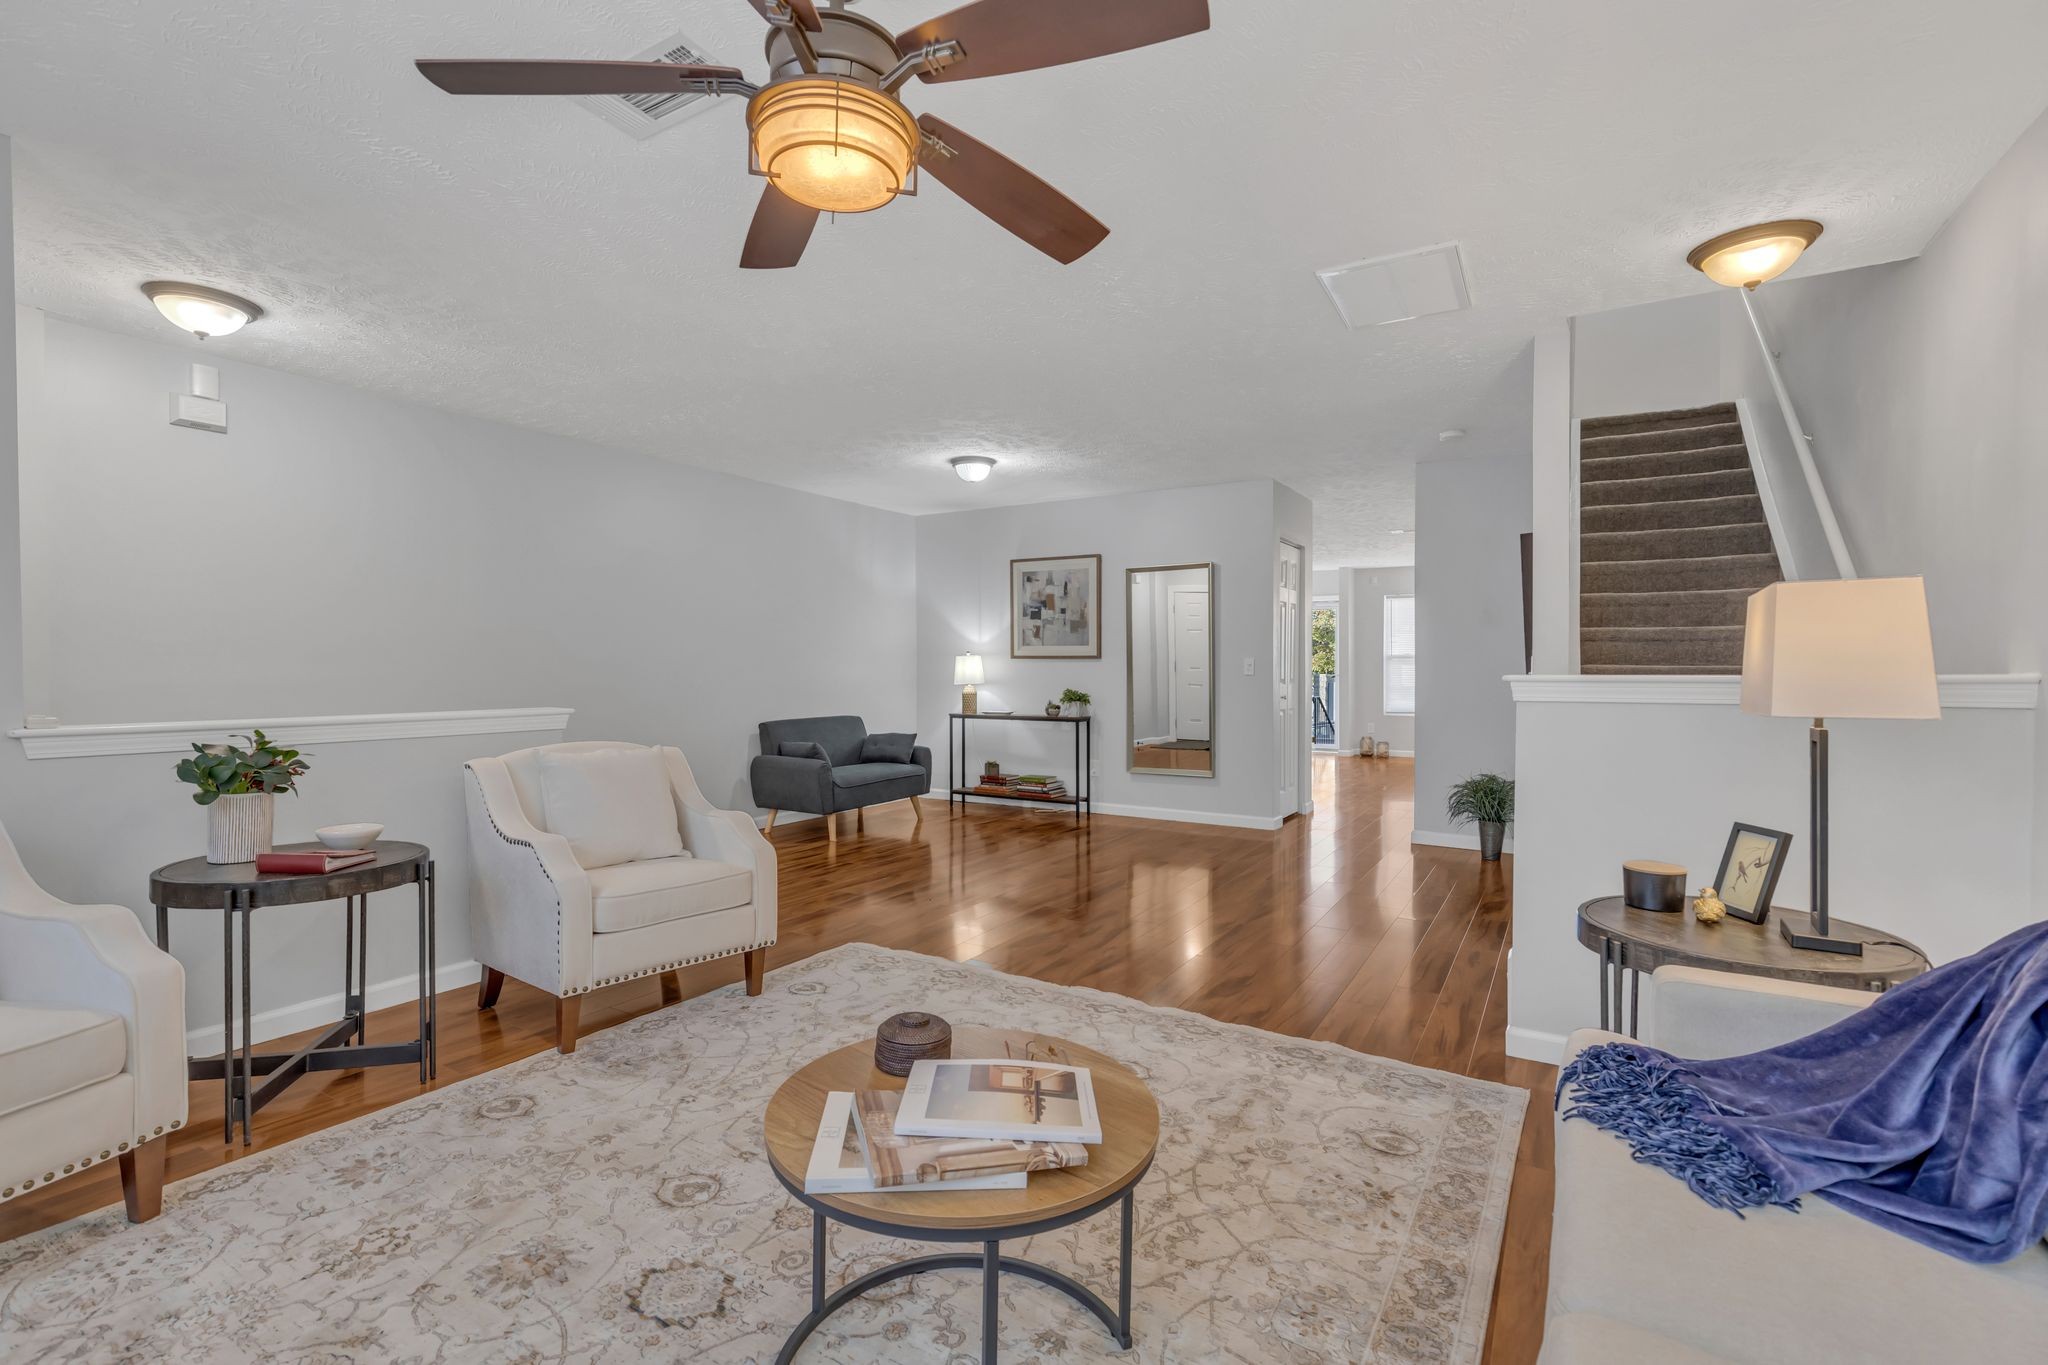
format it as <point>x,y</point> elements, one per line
<point>92,1043</point>
<point>539,915</point>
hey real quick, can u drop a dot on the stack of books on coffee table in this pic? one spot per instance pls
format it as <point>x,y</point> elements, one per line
<point>957,1124</point>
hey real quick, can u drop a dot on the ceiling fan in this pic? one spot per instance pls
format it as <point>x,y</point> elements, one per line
<point>829,130</point>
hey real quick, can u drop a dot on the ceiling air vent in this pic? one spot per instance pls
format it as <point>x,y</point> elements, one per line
<point>642,116</point>
<point>1413,284</point>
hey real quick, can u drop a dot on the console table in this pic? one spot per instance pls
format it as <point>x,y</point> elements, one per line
<point>1637,941</point>
<point>1079,796</point>
<point>239,889</point>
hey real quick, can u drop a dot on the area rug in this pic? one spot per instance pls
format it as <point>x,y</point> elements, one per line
<point>1308,1203</point>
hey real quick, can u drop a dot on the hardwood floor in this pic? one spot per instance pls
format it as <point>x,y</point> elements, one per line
<point>1334,928</point>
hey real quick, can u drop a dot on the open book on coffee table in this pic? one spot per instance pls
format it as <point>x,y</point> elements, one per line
<point>896,1161</point>
<point>999,1097</point>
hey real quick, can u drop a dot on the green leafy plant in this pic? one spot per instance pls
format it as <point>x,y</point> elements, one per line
<point>1322,640</point>
<point>1489,797</point>
<point>1074,697</point>
<point>227,770</point>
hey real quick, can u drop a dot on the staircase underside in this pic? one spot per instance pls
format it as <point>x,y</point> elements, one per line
<point>1672,541</point>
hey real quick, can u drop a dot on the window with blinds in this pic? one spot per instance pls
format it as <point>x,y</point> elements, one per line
<point>1400,656</point>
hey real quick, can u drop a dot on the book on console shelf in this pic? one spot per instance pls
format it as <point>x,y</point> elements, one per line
<point>898,1161</point>
<point>839,1164</point>
<point>999,1098</point>
<point>314,861</point>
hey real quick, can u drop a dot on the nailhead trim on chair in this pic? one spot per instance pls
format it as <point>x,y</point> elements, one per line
<point>12,1190</point>
<point>671,966</point>
<point>520,843</point>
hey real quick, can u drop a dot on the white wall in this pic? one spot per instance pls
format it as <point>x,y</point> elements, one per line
<point>449,563</point>
<point>963,588</point>
<point>1361,646</point>
<point>1469,519</point>
<point>1931,826</point>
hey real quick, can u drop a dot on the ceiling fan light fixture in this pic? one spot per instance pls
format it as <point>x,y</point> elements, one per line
<point>831,144</point>
<point>972,468</point>
<point>1747,257</point>
<point>199,310</point>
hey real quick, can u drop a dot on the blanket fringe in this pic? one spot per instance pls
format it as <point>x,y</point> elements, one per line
<point>1645,1099</point>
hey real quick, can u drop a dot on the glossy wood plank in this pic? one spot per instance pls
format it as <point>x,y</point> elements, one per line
<point>1333,927</point>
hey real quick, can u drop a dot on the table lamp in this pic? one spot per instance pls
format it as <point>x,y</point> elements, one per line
<point>966,673</point>
<point>1852,648</point>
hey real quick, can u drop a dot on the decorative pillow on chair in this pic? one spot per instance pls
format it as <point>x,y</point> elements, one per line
<point>888,749</point>
<point>795,748</point>
<point>612,805</point>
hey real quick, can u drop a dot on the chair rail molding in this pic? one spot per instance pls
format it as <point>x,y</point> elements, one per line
<point>1959,691</point>
<point>175,736</point>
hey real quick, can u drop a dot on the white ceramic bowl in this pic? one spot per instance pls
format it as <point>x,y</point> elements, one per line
<point>348,836</point>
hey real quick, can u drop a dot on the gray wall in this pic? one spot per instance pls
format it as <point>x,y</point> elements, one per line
<point>1361,647</point>
<point>449,563</point>
<point>963,565</point>
<point>1469,518</point>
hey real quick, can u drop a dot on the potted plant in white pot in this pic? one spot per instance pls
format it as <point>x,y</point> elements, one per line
<point>238,787</point>
<point>1488,800</point>
<point>1074,702</point>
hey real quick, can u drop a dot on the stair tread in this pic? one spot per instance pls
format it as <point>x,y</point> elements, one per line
<point>1657,670</point>
<point>1667,488</point>
<point>1669,438</point>
<point>1648,420</point>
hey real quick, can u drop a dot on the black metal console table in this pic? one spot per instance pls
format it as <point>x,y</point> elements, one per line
<point>238,888</point>
<point>1080,797</point>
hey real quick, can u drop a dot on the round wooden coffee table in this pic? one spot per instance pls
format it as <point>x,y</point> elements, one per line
<point>1052,1200</point>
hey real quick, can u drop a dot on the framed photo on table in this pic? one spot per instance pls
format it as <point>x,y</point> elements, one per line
<point>1749,870</point>
<point>1056,608</point>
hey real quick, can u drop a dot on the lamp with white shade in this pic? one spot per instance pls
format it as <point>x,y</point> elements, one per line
<point>1853,648</point>
<point>966,676</point>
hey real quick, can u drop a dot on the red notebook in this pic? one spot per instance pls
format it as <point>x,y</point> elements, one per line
<point>314,861</point>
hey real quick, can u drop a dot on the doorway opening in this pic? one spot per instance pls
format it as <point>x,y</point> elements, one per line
<point>1322,672</point>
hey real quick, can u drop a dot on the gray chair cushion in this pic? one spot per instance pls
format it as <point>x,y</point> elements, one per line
<point>867,774</point>
<point>889,748</point>
<point>802,748</point>
<point>841,735</point>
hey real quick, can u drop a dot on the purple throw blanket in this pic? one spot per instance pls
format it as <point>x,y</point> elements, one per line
<point>1926,1112</point>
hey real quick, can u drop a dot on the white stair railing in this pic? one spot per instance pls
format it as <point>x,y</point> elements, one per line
<point>1802,445</point>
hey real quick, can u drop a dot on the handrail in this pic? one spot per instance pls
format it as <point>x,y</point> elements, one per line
<point>1802,444</point>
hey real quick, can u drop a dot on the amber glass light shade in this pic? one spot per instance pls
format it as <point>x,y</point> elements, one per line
<point>832,145</point>
<point>1747,257</point>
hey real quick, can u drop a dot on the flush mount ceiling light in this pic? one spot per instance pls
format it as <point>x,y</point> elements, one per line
<point>829,129</point>
<point>972,468</point>
<point>1746,257</point>
<point>201,311</point>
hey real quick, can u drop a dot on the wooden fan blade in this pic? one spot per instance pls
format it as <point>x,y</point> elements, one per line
<point>780,230</point>
<point>806,13</point>
<point>1002,36</point>
<point>1012,196</point>
<point>494,77</point>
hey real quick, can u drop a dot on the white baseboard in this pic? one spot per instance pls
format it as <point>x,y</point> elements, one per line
<point>326,1009</point>
<point>1532,1045</point>
<point>1192,817</point>
<point>1448,839</point>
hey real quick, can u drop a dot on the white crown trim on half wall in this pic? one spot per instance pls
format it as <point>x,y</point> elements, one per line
<point>1959,691</point>
<point>175,736</point>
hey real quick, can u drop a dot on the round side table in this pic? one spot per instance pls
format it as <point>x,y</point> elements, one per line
<point>1637,941</point>
<point>239,889</point>
<point>1052,1199</point>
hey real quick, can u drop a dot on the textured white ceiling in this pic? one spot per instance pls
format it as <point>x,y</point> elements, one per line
<point>521,260</point>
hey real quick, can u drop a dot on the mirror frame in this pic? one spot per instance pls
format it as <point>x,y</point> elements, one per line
<point>1130,673</point>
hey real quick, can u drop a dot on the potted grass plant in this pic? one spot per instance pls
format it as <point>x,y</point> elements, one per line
<point>238,787</point>
<point>1487,800</point>
<point>1074,702</point>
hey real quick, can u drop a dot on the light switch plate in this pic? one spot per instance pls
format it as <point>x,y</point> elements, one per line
<point>1249,665</point>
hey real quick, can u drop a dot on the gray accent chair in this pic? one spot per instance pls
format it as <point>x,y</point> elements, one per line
<point>838,782</point>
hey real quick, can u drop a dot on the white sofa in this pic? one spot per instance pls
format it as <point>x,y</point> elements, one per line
<point>92,1043</point>
<point>540,916</point>
<point>1642,1270</point>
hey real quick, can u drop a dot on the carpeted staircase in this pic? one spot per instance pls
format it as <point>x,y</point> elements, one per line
<point>1672,541</point>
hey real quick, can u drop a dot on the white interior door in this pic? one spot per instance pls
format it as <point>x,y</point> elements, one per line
<point>1190,616</point>
<point>1287,676</point>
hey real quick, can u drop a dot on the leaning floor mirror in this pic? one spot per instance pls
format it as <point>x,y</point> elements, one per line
<point>1170,656</point>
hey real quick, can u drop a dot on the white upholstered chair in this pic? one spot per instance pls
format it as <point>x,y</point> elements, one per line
<point>540,915</point>
<point>92,1043</point>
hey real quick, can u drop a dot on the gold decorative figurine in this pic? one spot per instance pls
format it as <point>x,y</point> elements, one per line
<point>1707,907</point>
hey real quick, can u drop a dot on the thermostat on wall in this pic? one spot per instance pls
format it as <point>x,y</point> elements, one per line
<point>201,409</point>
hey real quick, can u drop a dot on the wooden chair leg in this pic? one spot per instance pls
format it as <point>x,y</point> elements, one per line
<point>771,821</point>
<point>568,1009</point>
<point>917,809</point>
<point>757,963</point>
<point>860,821</point>
<point>671,988</point>
<point>831,829</point>
<point>488,986</point>
<point>142,1179</point>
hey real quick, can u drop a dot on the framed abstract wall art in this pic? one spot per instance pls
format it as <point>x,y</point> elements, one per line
<point>1056,608</point>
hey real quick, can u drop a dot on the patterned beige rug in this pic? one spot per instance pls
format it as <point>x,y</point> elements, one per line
<point>1308,1204</point>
